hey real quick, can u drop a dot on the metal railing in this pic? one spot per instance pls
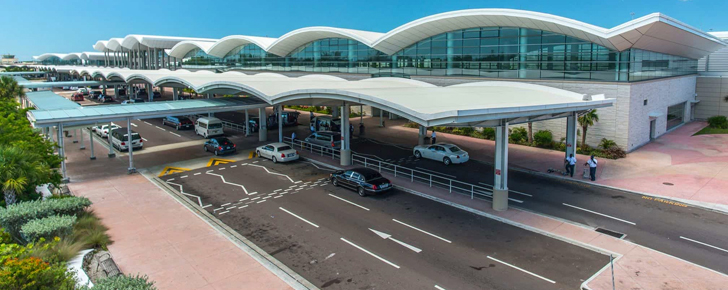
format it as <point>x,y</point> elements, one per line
<point>431,179</point>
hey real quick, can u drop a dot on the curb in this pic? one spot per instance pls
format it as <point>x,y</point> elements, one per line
<point>279,269</point>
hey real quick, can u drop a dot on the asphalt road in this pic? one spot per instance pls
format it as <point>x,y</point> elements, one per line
<point>327,234</point>
<point>686,232</point>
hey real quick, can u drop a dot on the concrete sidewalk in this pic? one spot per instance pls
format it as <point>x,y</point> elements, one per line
<point>635,267</point>
<point>155,235</point>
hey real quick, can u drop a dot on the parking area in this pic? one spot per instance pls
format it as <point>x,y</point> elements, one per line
<point>396,240</point>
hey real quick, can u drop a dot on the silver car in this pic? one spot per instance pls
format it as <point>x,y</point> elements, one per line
<point>446,153</point>
<point>325,139</point>
<point>277,152</point>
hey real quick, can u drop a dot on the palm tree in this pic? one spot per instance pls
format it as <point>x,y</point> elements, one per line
<point>530,132</point>
<point>18,170</point>
<point>9,89</point>
<point>585,121</point>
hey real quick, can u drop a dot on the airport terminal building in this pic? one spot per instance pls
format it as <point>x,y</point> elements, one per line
<point>650,65</point>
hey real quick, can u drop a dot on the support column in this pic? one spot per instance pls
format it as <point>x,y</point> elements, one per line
<point>75,139</point>
<point>345,148</point>
<point>150,94</point>
<point>381,118</point>
<point>335,112</point>
<point>83,145</point>
<point>262,126</point>
<point>111,148</point>
<point>62,153</point>
<point>421,135</point>
<point>571,134</point>
<point>500,186</point>
<point>247,123</point>
<point>175,95</point>
<point>280,123</point>
<point>129,140</point>
<point>91,138</point>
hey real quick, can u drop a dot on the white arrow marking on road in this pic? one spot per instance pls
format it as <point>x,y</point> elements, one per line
<point>388,236</point>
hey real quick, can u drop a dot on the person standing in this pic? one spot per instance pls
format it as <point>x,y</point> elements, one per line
<point>592,162</point>
<point>313,129</point>
<point>312,116</point>
<point>293,137</point>
<point>434,137</point>
<point>361,129</point>
<point>570,164</point>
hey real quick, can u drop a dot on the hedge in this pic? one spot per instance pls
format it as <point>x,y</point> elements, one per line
<point>16,215</point>
<point>718,122</point>
<point>48,227</point>
<point>124,282</point>
<point>543,138</point>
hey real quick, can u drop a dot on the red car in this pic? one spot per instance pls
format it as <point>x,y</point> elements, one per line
<point>77,97</point>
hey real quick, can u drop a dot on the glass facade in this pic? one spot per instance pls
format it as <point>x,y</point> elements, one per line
<point>675,115</point>
<point>492,52</point>
<point>54,60</point>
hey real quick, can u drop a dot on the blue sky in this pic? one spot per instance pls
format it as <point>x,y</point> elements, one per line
<point>34,27</point>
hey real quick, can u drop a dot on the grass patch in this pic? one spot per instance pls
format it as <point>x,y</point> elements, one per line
<point>708,130</point>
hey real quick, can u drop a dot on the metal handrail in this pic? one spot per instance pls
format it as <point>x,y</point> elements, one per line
<point>414,175</point>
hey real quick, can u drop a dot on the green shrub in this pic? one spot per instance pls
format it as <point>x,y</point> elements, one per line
<point>606,143</point>
<point>519,135</point>
<point>718,122</point>
<point>48,227</point>
<point>34,273</point>
<point>90,232</point>
<point>14,216</point>
<point>489,133</point>
<point>464,131</point>
<point>124,282</point>
<point>543,138</point>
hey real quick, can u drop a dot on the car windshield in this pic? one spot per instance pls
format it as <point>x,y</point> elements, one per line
<point>184,120</point>
<point>215,126</point>
<point>135,136</point>
<point>454,149</point>
<point>370,175</point>
<point>284,148</point>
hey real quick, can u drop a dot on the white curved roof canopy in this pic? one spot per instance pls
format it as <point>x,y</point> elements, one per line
<point>114,44</point>
<point>294,39</point>
<point>156,41</point>
<point>223,46</point>
<point>92,56</point>
<point>45,56</point>
<point>182,48</point>
<point>101,45</point>
<point>468,104</point>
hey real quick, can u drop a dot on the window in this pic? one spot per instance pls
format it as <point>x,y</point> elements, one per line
<point>675,115</point>
<point>644,103</point>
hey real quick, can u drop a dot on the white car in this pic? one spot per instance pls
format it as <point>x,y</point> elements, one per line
<point>446,153</point>
<point>277,152</point>
<point>103,130</point>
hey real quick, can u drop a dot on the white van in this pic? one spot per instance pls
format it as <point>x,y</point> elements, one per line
<point>208,126</point>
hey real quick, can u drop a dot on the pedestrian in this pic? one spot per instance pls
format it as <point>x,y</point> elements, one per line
<point>293,137</point>
<point>351,130</point>
<point>312,116</point>
<point>313,129</point>
<point>570,163</point>
<point>433,137</point>
<point>592,162</point>
<point>361,129</point>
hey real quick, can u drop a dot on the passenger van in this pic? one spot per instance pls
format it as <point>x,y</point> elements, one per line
<point>119,138</point>
<point>208,126</point>
<point>327,123</point>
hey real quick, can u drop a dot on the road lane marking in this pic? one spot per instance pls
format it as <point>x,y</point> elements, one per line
<point>224,204</point>
<point>173,133</point>
<point>244,199</point>
<point>274,173</point>
<point>344,200</point>
<point>168,180</point>
<point>160,128</point>
<point>261,201</point>
<point>233,166</point>
<point>198,173</point>
<point>385,236</point>
<point>278,196</point>
<point>225,181</point>
<point>181,190</point>
<point>244,206</point>
<point>255,198</point>
<point>510,190</point>
<point>601,214</point>
<point>145,122</point>
<point>224,212</point>
<point>183,176</point>
<point>412,227</point>
<point>370,253</point>
<point>438,173</point>
<point>277,190</point>
<point>303,219</point>
<point>134,125</point>
<point>267,197</point>
<point>439,288</point>
<point>145,139</point>
<point>704,244</point>
<point>522,270</point>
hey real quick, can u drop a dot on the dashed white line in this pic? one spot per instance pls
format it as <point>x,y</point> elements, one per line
<point>244,199</point>
<point>134,125</point>
<point>232,207</point>
<point>183,176</point>
<point>226,182</point>
<point>344,200</point>
<point>255,198</point>
<point>241,207</point>
<point>277,196</point>
<point>233,166</point>
<point>704,244</point>
<point>171,179</point>
<point>370,253</point>
<point>261,201</point>
<point>601,214</point>
<point>219,208</point>
<point>522,270</point>
<point>198,173</point>
<point>439,288</point>
<point>267,197</point>
<point>221,168</point>
<point>414,228</point>
<point>160,128</point>
<point>224,212</point>
<point>224,204</point>
<point>278,190</point>
<point>145,122</point>
<point>145,139</point>
<point>173,133</point>
<point>295,215</point>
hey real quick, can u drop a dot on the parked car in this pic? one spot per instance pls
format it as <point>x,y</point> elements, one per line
<point>156,95</point>
<point>327,123</point>
<point>177,122</point>
<point>122,92</point>
<point>95,94</point>
<point>277,152</point>
<point>208,126</point>
<point>77,97</point>
<point>364,180</point>
<point>132,101</point>
<point>106,99</point>
<point>119,138</point>
<point>325,139</point>
<point>103,130</point>
<point>446,153</point>
<point>220,145</point>
<point>66,88</point>
<point>83,91</point>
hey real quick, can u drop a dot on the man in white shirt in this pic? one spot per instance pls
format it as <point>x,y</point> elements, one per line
<point>293,136</point>
<point>570,163</point>
<point>434,136</point>
<point>592,162</point>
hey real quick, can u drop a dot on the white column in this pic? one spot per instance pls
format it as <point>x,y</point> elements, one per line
<point>91,138</point>
<point>111,148</point>
<point>131,148</point>
<point>335,112</point>
<point>247,123</point>
<point>75,139</point>
<point>150,95</point>
<point>62,154</point>
<point>175,95</point>
<point>421,135</point>
<point>83,145</point>
<point>262,125</point>
<point>280,123</point>
<point>500,186</point>
<point>571,134</point>
<point>345,149</point>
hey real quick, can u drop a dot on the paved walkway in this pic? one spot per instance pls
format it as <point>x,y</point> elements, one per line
<point>155,235</point>
<point>676,165</point>
<point>636,267</point>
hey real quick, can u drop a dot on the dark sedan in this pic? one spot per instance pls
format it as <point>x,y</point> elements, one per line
<point>220,145</point>
<point>364,180</point>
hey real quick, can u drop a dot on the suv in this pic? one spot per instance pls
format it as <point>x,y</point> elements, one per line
<point>77,97</point>
<point>177,122</point>
<point>119,138</point>
<point>95,94</point>
<point>325,139</point>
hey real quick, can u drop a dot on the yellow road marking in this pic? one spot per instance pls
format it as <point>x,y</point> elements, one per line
<point>218,161</point>
<point>171,170</point>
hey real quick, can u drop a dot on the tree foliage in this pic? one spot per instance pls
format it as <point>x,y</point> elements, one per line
<point>585,121</point>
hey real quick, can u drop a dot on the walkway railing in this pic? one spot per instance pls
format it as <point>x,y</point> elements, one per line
<point>431,179</point>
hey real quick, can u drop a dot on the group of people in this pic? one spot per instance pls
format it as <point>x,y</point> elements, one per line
<point>570,163</point>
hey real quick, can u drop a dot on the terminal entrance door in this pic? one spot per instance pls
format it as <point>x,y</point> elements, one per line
<point>652,129</point>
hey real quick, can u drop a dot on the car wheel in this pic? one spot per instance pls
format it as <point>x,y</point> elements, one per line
<point>205,136</point>
<point>447,161</point>
<point>274,159</point>
<point>335,182</point>
<point>418,155</point>
<point>205,148</point>
<point>257,153</point>
<point>217,153</point>
<point>361,192</point>
<point>177,127</point>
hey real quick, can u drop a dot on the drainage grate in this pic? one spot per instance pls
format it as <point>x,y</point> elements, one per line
<point>667,183</point>
<point>617,235</point>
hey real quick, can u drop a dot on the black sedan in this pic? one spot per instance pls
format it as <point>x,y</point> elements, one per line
<point>364,180</point>
<point>220,145</point>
